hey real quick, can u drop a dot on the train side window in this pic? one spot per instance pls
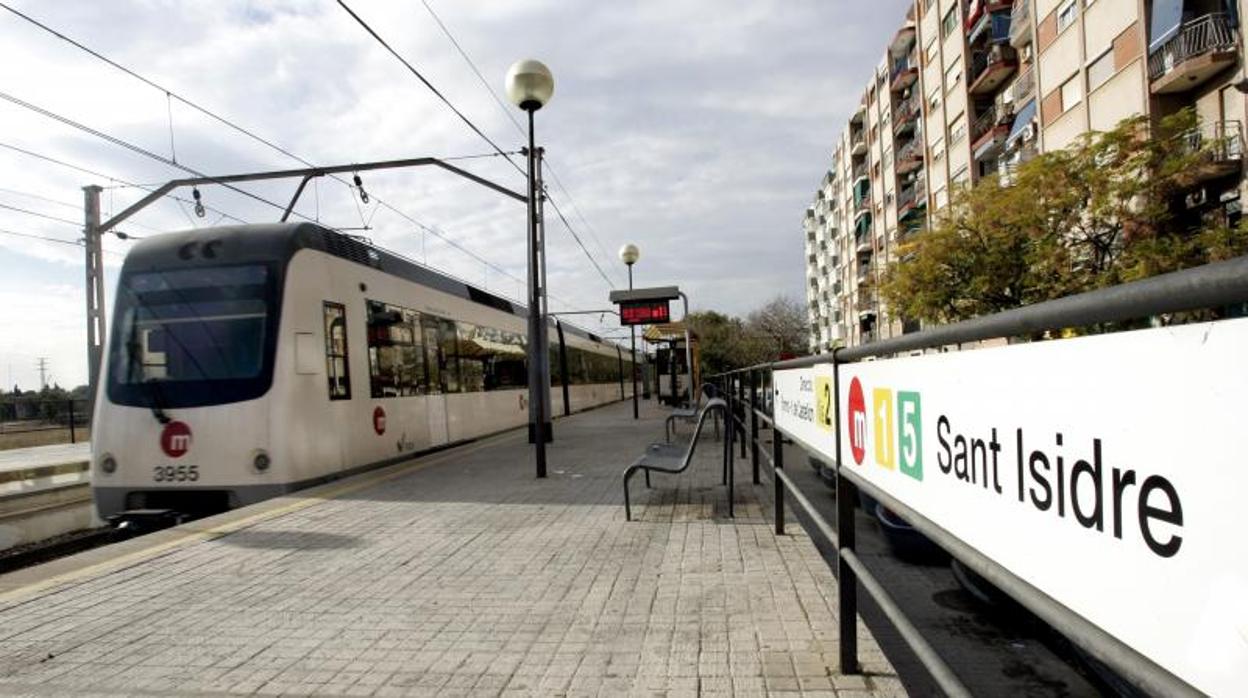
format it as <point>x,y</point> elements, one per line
<point>336,364</point>
<point>450,353</point>
<point>472,358</point>
<point>396,358</point>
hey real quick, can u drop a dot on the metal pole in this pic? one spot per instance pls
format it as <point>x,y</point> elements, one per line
<point>754,423</point>
<point>95,290</point>
<point>544,366</point>
<point>728,422</point>
<point>72,439</point>
<point>537,353</point>
<point>632,338</point>
<point>846,579</point>
<point>777,457</point>
<point>688,346</point>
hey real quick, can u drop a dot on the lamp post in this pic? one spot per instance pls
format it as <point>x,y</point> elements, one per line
<point>530,86</point>
<point>629,254</point>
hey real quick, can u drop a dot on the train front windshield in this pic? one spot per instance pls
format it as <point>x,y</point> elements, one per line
<point>193,336</point>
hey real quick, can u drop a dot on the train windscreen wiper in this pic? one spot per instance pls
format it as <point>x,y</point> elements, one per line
<point>156,400</point>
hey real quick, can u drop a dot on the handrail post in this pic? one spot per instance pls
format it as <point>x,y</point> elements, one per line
<point>754,423</point>
<point>732,481</point>
<point>847,581</point>
<point>730,430</point>
<point>741,406</point>
<point>72,440</point>
<point>777,457</point>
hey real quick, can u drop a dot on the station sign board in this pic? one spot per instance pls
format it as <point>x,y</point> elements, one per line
<point>1107,471</point>
<point>645,312</point>
<point>645,306</point>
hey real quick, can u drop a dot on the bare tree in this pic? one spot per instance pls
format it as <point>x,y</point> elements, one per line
<point>781,324</point>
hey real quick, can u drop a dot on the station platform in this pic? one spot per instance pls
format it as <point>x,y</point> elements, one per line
<point>44,492</point>
<point>457,573</point>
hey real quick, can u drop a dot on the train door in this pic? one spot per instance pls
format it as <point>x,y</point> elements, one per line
<point>435,365</point>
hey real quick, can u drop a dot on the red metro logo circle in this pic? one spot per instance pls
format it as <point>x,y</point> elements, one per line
<point>175,439</point>
<point>379,420</point>
<point>857,426</point>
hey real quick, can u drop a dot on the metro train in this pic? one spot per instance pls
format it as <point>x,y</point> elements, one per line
<point>249,361</point>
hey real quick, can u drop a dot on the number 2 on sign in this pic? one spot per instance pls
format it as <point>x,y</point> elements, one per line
<point>825,415</point>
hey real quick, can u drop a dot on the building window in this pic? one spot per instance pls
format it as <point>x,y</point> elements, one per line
<point>1066,14</point>
<point>950,22</point>
<point>940,199</point>
<point>1071,93</point>
<point>929,52</point>
<point>336,365</point>
<point>938,149</point>
<point>1101,70</point>
<point>957,129</point>
<point>933,99</point>
<point>960,176</point>
<point>953,75</point>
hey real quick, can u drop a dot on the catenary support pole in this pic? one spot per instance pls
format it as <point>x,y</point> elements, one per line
<point>96,325</point>
<point>537,420</point>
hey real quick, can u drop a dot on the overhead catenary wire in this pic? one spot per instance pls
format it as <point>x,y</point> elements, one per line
<point>77,224</point>
<point>113,178</point>
<point>520,129</point>
<point>171,95</point>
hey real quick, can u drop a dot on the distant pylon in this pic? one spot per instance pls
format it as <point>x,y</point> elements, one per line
<point>43,372</point>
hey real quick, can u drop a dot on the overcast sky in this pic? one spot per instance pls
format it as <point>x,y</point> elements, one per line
<point>697,129</point>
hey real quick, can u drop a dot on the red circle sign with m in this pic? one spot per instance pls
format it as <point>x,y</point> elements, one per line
<point>857,426</point>
<point>379,420</point>
<point>175,439</point>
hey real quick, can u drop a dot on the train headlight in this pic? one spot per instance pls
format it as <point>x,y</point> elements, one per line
<point>261,462</point>
<point>108,465</point>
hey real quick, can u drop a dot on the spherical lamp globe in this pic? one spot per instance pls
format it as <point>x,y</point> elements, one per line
<point>529,84</point>
<point>629,254</point>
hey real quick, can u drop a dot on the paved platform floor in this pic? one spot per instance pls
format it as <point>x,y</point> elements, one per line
<point>455,574</point>
<point>44,456</point>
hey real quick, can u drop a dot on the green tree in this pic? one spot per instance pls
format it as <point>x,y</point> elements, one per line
<point>1108,209</point>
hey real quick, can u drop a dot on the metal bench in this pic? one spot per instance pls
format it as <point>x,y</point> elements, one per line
<point>669,458</point>
<point>689,414</point>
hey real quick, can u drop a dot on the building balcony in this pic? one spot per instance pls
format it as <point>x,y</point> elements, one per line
<point>912,200</point>
<point>1024,88</point>
<point>902,41</point>
<point>992,23</point>
<point>990,68</point>
<point>858,144</point>
<point>1198,50</point>
<point>859,172</point>
<point>990,130</point>
<point>905,73</point>
<point>1221,146</point>
<point>905,114</point>
<point>909,157</point>
<point>1020,24</point>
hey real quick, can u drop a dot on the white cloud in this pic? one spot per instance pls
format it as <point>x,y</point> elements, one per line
<point>697,129</point>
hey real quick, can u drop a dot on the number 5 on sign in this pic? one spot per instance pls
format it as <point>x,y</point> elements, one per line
<point>825,415</point>
<point>910,434</point>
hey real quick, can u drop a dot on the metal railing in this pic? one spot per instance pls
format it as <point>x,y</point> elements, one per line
<point>993,117</point>
<point>910,151</point>
<point>906,110</point>
<point>30,416</point>
<point>1024,86</point>
<point>860,170</point>
<point>1212,32</point>
<point>1214,285</point>
<point>1224,140</point>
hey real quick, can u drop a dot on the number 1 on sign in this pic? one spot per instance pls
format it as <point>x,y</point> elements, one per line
<point>885,455</point>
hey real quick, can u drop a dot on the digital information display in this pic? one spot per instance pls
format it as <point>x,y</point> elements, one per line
<point>644,312</point>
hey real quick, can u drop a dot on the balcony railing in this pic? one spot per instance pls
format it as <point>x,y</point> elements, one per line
<point>1213,32</point>
<point>909,156</point>
<point>1023,87</point>
<point>1222,146</point>
<point>905,111</point>
<point>860,170</point>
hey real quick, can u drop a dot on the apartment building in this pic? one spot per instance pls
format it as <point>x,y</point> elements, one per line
<point>972,88</point>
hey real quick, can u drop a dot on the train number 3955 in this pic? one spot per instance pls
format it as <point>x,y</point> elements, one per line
<point>175,473</point>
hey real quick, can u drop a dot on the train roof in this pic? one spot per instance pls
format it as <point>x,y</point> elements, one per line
<point>280,241</point>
